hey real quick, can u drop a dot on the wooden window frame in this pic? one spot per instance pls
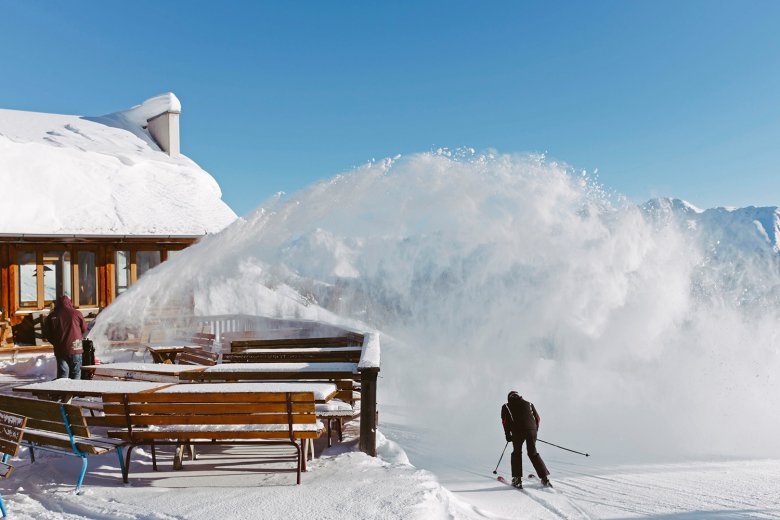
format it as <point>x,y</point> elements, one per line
<point>39,250</point>
<point>74,265</point>
<point>133,262</point>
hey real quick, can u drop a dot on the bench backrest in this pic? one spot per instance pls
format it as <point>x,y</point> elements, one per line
<point>11,431</point>
<point>348,340</point>
<point>204,411</point>
<point>46,416</point>
<point>306,355</point>
<point>204,339</point>
<point>196,356</point>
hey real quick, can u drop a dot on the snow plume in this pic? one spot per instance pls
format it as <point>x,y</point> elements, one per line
<point>488,273</point>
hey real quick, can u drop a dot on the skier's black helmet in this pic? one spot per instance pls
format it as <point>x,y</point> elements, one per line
<point>512,393</point>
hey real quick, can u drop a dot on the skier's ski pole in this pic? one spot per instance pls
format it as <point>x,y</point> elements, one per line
<point>499,459</point>
<point>561,447</point>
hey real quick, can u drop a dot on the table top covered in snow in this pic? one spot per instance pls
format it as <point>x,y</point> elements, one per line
<point>284,367</point>
<point>263,371</point>
<point>88,387</point>
<point>161,372</point>
<point>323,392</point>
<point>152,368</point>
<point>302,349</point>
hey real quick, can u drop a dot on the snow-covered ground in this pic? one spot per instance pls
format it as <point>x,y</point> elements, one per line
<point>343,483</point>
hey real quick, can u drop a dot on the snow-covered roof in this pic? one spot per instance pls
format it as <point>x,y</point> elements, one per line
<point>65,174</point>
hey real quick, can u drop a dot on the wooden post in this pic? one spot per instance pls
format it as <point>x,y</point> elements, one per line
<point>368,410</point>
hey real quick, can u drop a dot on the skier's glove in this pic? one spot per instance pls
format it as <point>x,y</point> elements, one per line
<point>508,437</point>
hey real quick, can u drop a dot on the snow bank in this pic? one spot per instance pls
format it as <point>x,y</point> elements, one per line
<point>67,174</point>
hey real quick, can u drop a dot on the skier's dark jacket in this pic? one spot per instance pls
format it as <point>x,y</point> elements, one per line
<point>63,326</point>
<point>518,414</point>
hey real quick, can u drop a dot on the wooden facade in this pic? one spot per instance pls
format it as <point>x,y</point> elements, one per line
<point>92,270</point>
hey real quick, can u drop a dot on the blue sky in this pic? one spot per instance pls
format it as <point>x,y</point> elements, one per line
<point>663,98</point>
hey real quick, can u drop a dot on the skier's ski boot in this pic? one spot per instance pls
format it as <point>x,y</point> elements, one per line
<point>516,482</point>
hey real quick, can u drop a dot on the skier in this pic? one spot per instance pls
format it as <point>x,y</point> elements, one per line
<point>521,422</point>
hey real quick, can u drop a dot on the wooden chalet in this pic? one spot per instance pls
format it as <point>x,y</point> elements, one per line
<point>99,233</point>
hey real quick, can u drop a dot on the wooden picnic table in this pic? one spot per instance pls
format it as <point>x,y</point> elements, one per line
<point>167,352</point>
<point>262,371</point>
<point>160,372</point>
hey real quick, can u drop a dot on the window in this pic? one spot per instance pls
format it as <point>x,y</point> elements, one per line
<point>131,265</point>
<point>46,274</point>
<point>56,276</point>
<point>87,279</point>
<point>122,271</point>
<point>28,286</point>
<point>146,260</point>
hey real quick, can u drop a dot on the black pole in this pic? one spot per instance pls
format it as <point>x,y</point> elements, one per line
<point>561,447</point>
<point>501,457</point>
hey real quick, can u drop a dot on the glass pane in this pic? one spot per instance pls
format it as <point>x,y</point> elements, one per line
<point>145,260</point>
<point>122,271</point>
<point>56,275</point>
<point>87,279</point>
<point>173,252</point>
<point>28,288</point>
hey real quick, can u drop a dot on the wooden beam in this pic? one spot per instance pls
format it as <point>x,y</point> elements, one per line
<point>368,415</point>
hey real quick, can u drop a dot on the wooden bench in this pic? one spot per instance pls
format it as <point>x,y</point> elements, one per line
<point>11,431</point>
<point>165,353</point>
<point>196,356</point>
<point>348,340</point>
<point>282,418</point>
<point>60,428</point>
<point>294,355</point>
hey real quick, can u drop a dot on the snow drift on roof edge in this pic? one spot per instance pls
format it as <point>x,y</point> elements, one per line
<point>66,174</point>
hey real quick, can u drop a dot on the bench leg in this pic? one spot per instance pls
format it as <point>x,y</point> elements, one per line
<point>121,460</point>
<point>154,457</point>
<point>330,440</point>
<point>301,461</point>
<point>305,453</point>
<point>84,463</point>
<point>341,429</point>
<point>178,456</point>
<point>2,507</point>
<point>126,474</point>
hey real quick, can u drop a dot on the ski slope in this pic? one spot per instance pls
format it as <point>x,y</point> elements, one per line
<point>686,490</point>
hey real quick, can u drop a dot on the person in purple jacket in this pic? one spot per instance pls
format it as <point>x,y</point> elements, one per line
<point>64,327</point>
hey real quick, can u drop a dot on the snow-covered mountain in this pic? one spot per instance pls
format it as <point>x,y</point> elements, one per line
<point>750,229</point>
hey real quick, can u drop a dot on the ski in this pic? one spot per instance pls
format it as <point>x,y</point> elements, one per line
<point>505,481</point>
<point>549,484</point>
<point>531,477</point>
